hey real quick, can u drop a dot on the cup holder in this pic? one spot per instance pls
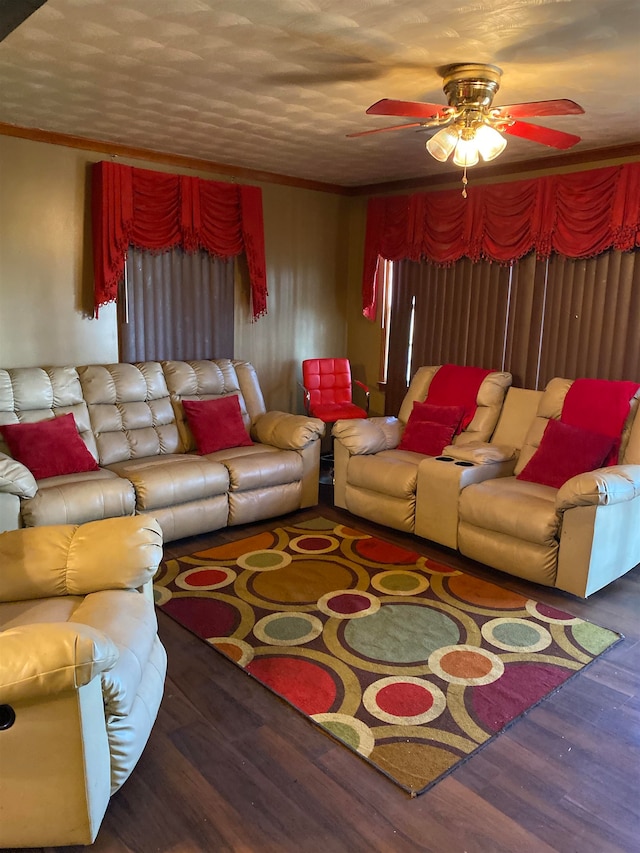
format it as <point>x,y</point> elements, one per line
<point>7,717</point>
<point>464,464</point>
<point>444,458</point>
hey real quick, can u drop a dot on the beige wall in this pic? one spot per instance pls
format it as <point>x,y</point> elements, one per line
<point>364,339</point>
<point>46,278</point>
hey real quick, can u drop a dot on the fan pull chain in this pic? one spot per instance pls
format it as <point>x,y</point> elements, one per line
<point>464,183</point>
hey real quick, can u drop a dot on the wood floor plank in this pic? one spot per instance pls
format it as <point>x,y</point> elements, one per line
<point>230,768</point>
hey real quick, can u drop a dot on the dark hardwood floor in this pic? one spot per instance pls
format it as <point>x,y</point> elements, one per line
<point>230,767</point>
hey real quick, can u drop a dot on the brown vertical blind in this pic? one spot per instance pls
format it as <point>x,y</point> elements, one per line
<point>176,305</point>
<point>459,315</point>
<point>525,319</point>
<point>592,318</point>
<point>537,319</point>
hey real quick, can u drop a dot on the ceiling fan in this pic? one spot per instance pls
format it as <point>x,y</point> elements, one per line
<point>470,127</point>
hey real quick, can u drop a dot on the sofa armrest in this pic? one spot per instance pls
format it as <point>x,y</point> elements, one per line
<point>67,559</point>
<point>287,431</point>
<point>601,487</point>
<point>480,452</point>
<point>15,478</point>
<point>362,436</point>
<point>44,659</point>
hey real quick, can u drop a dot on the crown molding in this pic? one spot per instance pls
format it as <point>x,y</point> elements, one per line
<point>117,149</point>
<point>575,161</point>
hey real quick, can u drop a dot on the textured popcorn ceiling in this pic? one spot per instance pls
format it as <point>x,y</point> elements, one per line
<point>275,85</point>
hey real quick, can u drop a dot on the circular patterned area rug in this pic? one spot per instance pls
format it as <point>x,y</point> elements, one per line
<point>411,664</point>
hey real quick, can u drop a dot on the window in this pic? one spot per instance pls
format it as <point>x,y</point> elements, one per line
<point>176,305</point>
<point>386,299</point>
<point>536,319</point>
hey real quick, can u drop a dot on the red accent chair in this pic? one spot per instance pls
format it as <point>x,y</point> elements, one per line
<point>328,395</point>
<point>328,390</point>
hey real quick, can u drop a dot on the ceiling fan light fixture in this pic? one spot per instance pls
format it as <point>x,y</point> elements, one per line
<point>442,144</point>
<point>466,153</point>
<point>491,143</point>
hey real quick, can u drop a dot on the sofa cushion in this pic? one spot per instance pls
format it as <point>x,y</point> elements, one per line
<point>522,510</point>
<point>50,447</point>
<point>565,451</point>
<point>259,466</point>
<point>216,424</point>
<point>77,498</point>
<point>392,473</point>
<point>171,479</point>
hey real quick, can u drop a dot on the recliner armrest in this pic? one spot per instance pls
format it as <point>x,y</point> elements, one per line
<point>44,659</point>
<point>601,487</point>
<point>287,431</point>
<point>67,559</point>
<point>362,436</point>
<point>15,478</point>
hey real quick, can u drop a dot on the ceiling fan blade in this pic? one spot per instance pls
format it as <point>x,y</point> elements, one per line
<point>410,109</point>
<point>384,129</point>
<point>560,107</point>
<point>544,135</point>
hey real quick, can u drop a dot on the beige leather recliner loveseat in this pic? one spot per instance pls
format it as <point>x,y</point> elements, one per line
<point>578,538</point>
<point>131,418</point>
<point>82,673</point>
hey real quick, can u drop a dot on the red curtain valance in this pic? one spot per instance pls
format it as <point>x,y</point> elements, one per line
<point>577,215</point>
<point>157,211</point>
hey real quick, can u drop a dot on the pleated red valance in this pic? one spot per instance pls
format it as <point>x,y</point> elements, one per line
<point>577,215</point>
<point>158,211</point>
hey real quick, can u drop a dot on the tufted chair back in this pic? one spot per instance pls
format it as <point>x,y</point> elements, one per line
<point>329,389</point>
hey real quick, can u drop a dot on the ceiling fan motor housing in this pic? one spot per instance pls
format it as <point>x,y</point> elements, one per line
<point>471,86</point>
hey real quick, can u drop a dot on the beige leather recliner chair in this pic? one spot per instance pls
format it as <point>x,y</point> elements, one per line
<point>376,480</point>
<point>579,537</point>
<point>82,673</point>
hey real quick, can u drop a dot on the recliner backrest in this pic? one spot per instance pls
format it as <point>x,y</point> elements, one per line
<point>208,380</point>
<point>550,406</point>
<point>489,400</point>
<point>130,410</point>
<point>29,394</point>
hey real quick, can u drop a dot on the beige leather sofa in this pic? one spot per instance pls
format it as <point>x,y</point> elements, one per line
<point>81,673</point>
<point>376,480</point>
<point>132,421</point>
<point>578,538</point>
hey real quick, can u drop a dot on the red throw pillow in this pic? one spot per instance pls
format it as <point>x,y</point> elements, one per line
<point>426,437</point>
<point>449,415</point>
<point>565,451</point>
<point>216,424</point>
<point>430,428</point>
<point>49,448</point>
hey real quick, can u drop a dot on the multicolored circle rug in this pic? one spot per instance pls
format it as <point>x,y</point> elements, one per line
<point>411,664</point>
